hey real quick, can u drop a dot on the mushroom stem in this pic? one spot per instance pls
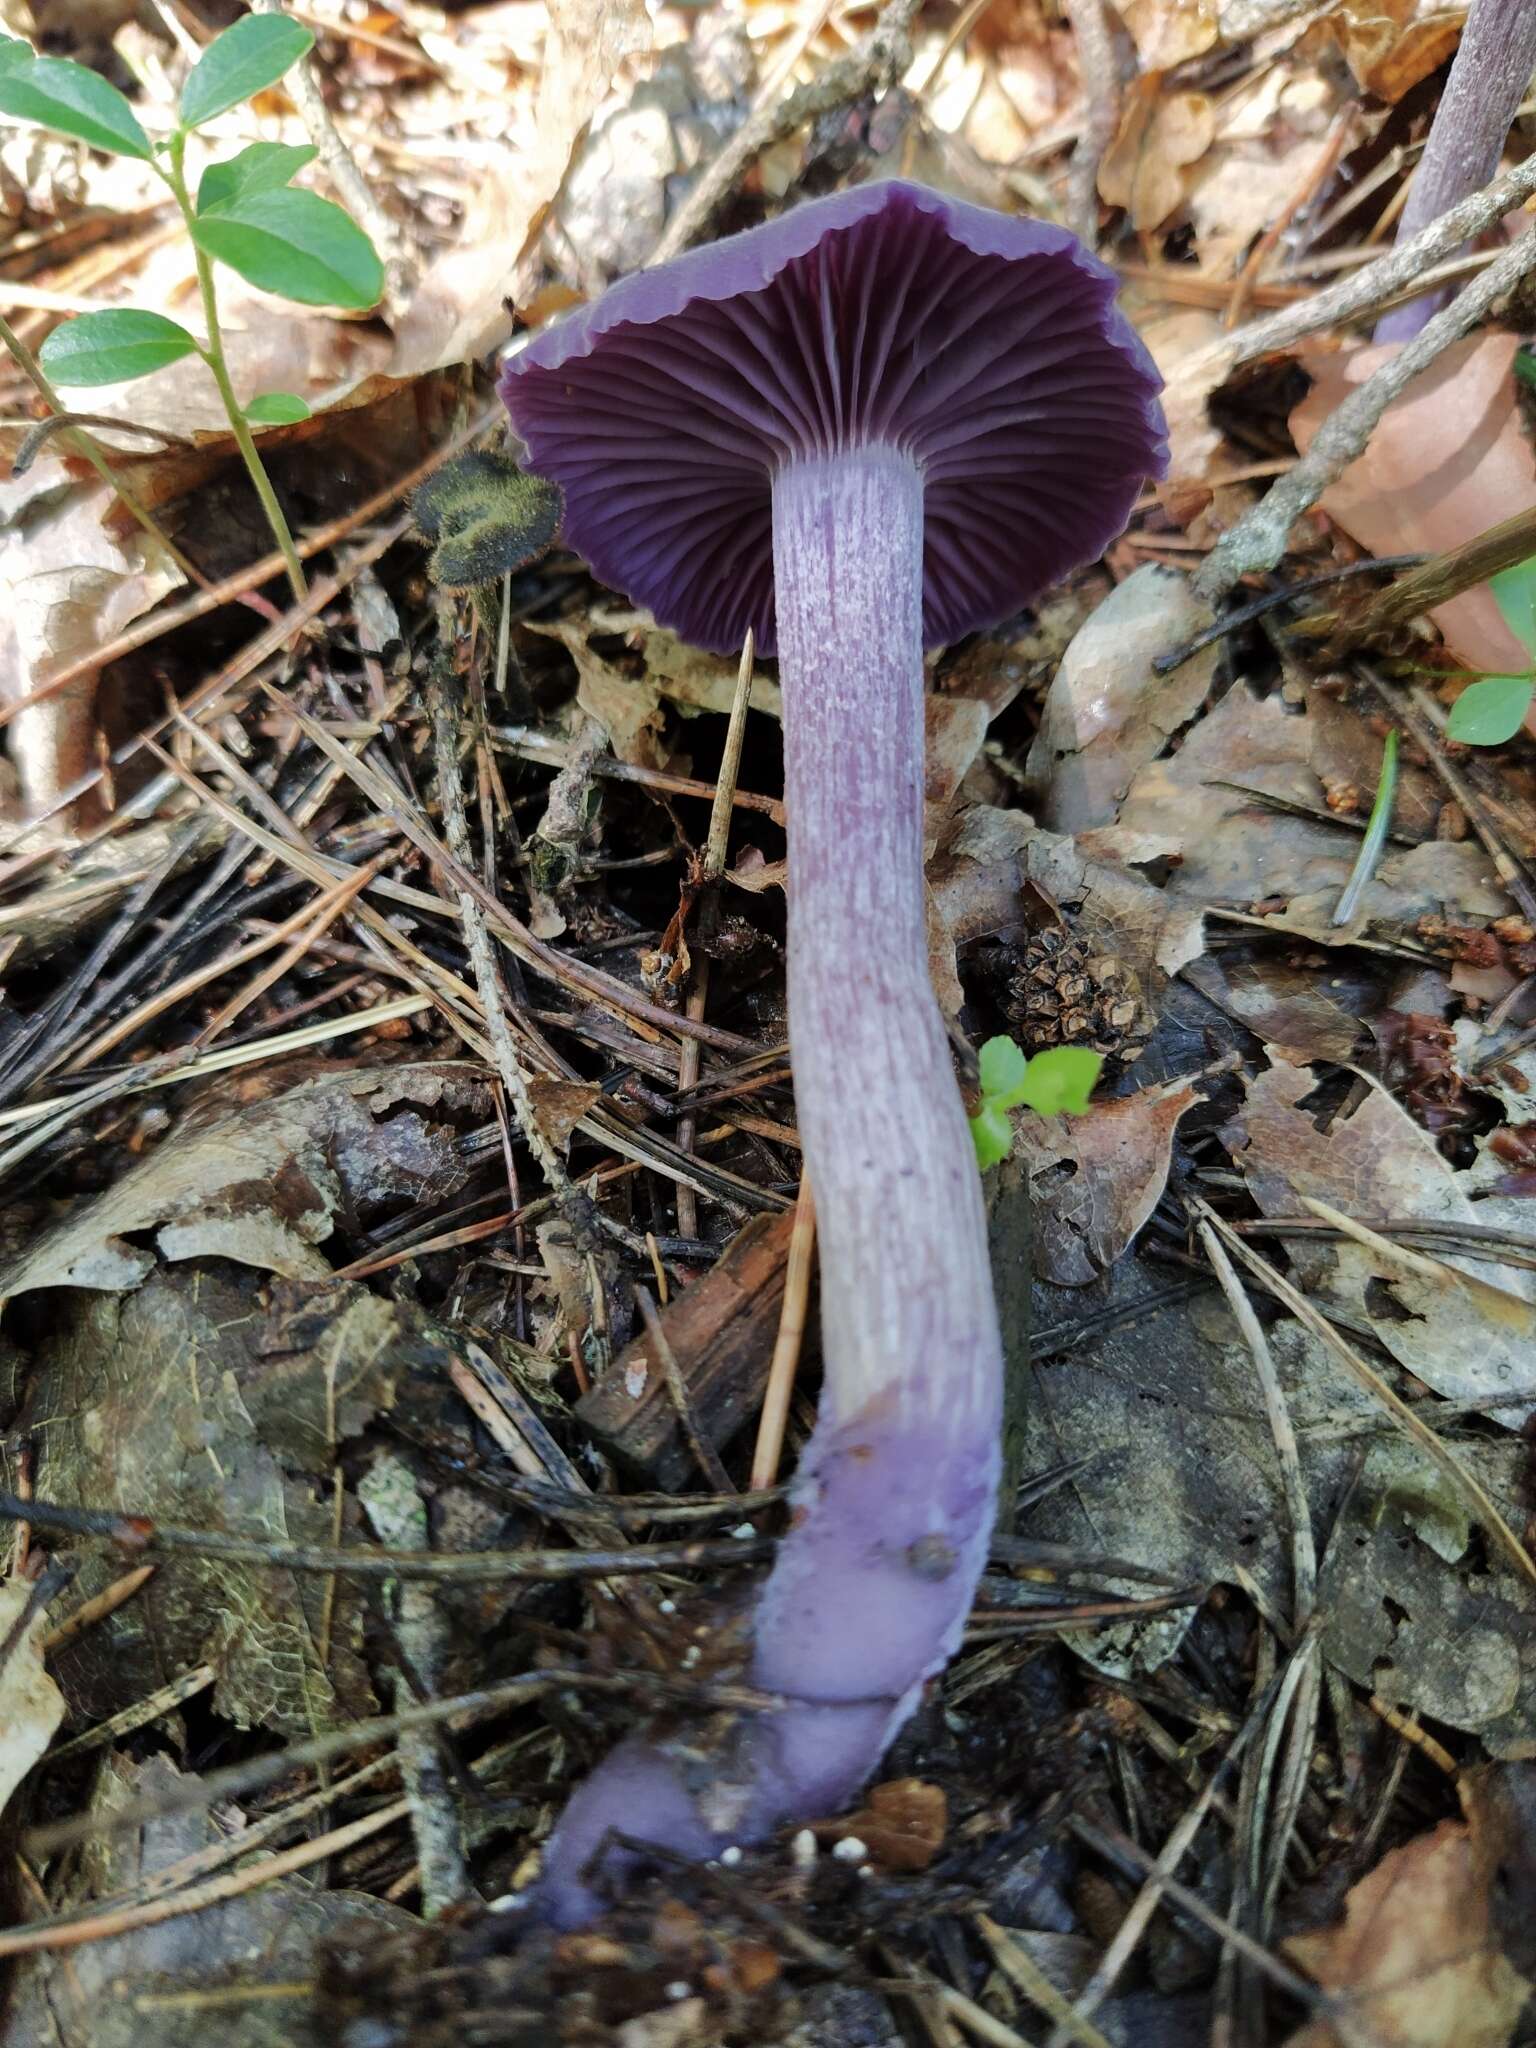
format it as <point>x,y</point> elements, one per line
<point>896,1491</point>
<point>874,1580</point>
<point>1489,76</point>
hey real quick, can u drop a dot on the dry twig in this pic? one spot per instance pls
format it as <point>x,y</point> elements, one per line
<point>1259,539</point>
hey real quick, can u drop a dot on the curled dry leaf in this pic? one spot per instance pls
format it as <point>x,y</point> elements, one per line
<point>1450,459</point>
<point>1414,1962</point>
<point>1391,45</point>
<point>1468,1334</point>
<point>246,1953</point>
<point>1096,1178</point>
<point>1161,135</point>
<point>31,1705</point>
<point>1182,342</point>
<point>626,697</point>
<point>989,863</point>
<point>262,1182</point>
<point>1109,712</point>
<point>67,586</point>
<point>1169,32</point>
<point>559,1106</point>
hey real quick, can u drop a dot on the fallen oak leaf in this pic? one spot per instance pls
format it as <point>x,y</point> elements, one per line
<point>1448,460</point>
<point>1108,711</point>
<point>31,1705</point>
<point>1467,1338</point>
<point>1414,1963</point>
<point>1161,135</point>
<point>1097,1178</point>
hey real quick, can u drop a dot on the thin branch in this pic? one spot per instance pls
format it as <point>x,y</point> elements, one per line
<point>1259,539</point>
<point>138,1534</point>
<point>1101,95</point>
<point>881,57</point>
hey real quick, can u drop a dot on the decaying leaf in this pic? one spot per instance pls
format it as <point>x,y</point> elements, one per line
<point>1414,1961</point>
<point>243,1958</point>
<point>989,856</point>
<point>1096,1178</point>
<point>1166,1403</point>
<point>1447,461</point>
<point>627,699</point>
<point>1216,810</point>
<point>1468,1334</point>
<point>1417,1615</point>
<point>1109,712</point>
<point>1169,32</point>
<point>202,1399</point>
<point>67,585</point>
<point>1294,1009</point>
<point>261,1181</point>
<point>1161,134</point>
<point>31,1705</point>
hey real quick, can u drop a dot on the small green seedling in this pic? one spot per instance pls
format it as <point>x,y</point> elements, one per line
<point>1493,709</point>
<point>1052,1082</point>
<point>246,214</point>
<point>486,516</point>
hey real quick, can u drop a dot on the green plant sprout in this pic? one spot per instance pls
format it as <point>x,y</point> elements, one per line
<point>1054,1081</point>
<point>1493,709</point>
<point>245,214</point>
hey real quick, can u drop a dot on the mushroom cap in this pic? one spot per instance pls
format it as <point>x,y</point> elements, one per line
<point>988,347</point>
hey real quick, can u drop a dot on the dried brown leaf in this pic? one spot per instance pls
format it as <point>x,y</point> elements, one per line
<point>1414,1960</point>
<point>1448,460</point>
<point>1109,712</point>
<point>1204,808</point>
<point>1468,1334</point>
<point>1391,45</point>
<point>262,1182</point>
<point>1169,32</point>
<point>559,1106</point>
<point>1161,135</point>
<point>31,1705</point>
<point>1097,1178</point>
<point>67,585</point>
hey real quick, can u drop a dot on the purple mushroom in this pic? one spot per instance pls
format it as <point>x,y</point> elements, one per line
<point>868,427</point>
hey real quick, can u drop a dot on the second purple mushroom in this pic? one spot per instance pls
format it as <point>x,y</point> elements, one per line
<point>880,422</point>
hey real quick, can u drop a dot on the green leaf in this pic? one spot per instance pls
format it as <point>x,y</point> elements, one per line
<point>1061,1079</point>
<point>1001,1065</point>
<point>72,101</point>
<point>14,52</point>
<point>242,62</point>
<point>113,346</point>
<point>991,1134</point>
<point>296,244</point>
<point>277,409</point>
<point>263,167</point>
<point>1490,712</point>
<point>1515,590</point>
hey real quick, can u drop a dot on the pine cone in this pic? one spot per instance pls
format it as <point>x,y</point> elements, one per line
<point>1061,994</point>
